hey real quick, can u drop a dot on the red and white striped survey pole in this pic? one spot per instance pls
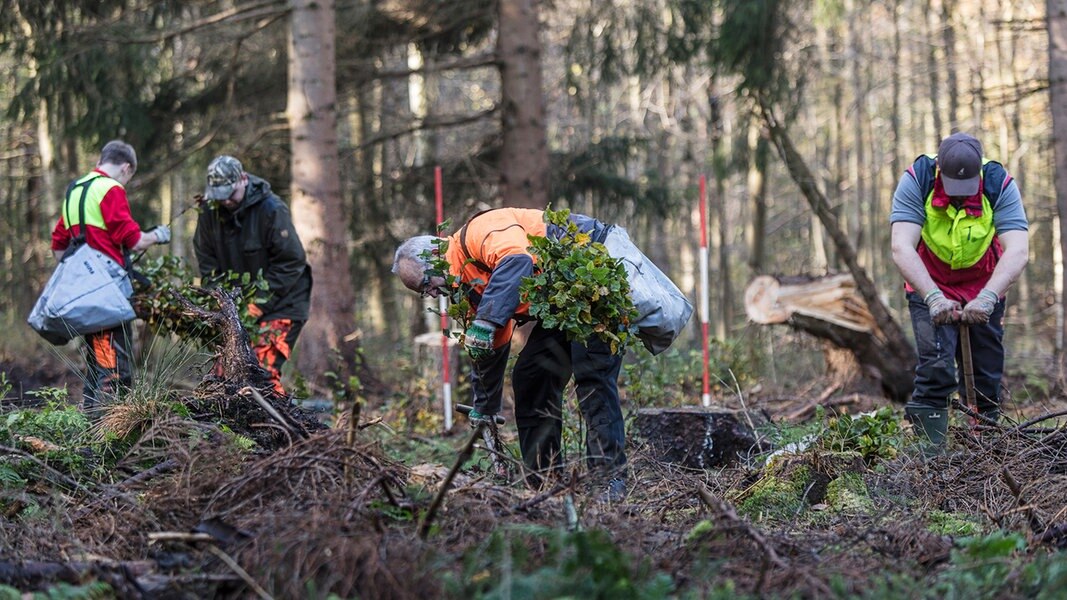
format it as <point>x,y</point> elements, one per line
<point>442,305</point>
<point>704,305</point>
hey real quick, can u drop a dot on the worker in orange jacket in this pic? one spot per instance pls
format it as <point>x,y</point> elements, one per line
<point>490,256</point>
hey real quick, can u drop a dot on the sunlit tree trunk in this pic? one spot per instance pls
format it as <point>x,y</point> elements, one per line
<point>1057,33</point>
<point>316,186</point>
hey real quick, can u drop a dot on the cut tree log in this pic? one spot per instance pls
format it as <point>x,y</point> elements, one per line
<point>830,308</point>
<point>700,438</point>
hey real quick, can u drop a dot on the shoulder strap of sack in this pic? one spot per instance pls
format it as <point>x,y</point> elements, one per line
<point>463,244</point>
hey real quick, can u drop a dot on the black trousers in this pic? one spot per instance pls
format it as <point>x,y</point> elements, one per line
<point>543,368</point>
<point>939,372</point>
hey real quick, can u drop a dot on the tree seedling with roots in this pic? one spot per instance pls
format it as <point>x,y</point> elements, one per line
<point>160,304</point>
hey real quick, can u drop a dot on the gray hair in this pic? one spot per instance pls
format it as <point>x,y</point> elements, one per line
<point>415,249</point>
<point>118,152</point>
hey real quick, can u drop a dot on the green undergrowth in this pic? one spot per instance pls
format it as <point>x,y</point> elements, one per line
<point>537,562</point>
<point>675,377</point>
<point>820,467</point>
<point>57,445</point>
<point>952,524</point>
<point>96,590</point>
<point>996,565</point>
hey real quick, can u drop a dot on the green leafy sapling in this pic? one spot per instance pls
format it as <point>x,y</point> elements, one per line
<point>578,287</point>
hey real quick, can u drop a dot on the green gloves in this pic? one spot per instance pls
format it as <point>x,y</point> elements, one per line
<point>478,339</point>
<point>942,310</point>
<point>476,418</point>
<point>978,310</point>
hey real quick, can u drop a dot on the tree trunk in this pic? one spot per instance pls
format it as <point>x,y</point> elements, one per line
<point>757,192</point>
<point>316,187</point>
<point>1057,33</point>
<point>831,309</point>
<point>933,65</point>
<point>524,149</point>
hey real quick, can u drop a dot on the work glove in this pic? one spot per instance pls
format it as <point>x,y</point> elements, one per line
<point>478,339</point>
<point>162,234</point>
<point>476,418</point>
<point>942,310</point>
<point>978,310</point>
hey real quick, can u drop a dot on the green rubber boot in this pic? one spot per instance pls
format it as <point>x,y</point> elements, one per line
<point>931,424</point>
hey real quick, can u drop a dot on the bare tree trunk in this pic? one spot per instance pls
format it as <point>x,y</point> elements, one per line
<point>1057,33</point>
<point>757,192</point>
<point>858,164</point>
<point>948,36</point>
<point>932,65</point>
<point>524,149</point>
<point>894,114</point>
<point>316,186</point>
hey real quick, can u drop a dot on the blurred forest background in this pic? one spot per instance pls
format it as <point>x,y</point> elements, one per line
<point>608,107</point>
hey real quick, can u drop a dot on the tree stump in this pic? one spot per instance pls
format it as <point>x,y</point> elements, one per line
<point>427,355</point>
<point>695,437</point>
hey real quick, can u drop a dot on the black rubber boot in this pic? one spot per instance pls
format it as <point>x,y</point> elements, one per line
<point>930,423</point>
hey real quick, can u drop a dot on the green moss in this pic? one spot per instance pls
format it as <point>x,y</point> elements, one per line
<point>953,524</point>
<point>848,494</point>
<point>699,530</point>
<point>776,496</point>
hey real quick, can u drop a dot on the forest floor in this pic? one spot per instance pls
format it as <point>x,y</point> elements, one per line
<point>178,499</point>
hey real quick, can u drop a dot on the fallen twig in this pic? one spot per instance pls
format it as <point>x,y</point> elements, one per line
<point>67,481</point>
<point>462,457</point>
<point>723,509</point>
<point>236,568</point>
<point>1031,519</point>
<point>1036,420</point>
<point>977,416</point>
<point>164,467</point>
<point>178,536</point>
<point>825,403</point>
<point>274,413</point>
<point>538,499</point>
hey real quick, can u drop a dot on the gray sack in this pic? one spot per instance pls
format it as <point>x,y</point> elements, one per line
<point>662,309</point>
<point>87,293</point>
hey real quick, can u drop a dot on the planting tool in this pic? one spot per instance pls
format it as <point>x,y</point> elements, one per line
<point>491,438</point>
<point>968,367</point>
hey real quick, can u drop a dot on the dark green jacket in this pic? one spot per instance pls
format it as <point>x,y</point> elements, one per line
<point>259,235</point>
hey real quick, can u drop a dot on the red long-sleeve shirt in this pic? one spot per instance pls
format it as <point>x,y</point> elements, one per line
<point>122,231</point>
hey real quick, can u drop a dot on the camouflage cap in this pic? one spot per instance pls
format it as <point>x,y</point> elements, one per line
<point>222,176</point>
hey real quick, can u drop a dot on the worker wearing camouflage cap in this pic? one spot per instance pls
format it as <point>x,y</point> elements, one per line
<point>246,228</point>
<point>959,236</point>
